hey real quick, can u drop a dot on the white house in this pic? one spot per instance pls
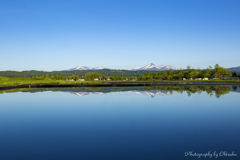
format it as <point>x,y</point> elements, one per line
<point>184,79</point>
<point>108,79</point>
<point>205,78</point>
<point>96,79</point>
<point>81,80</point>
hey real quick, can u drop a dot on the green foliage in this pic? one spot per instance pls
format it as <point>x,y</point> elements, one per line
<point>104,77</point>
<point>92,76</point>
<point>208,73</point>
<point>220,72</point>
<point>170,72</point>
<point>234,74</point>
<point>216,66</point>
<point>4,79</point>
<point>112,78</point>
<point>119,78</point>
<point>58,77</point>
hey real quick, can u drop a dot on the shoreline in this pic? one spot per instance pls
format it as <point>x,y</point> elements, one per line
<point>119,84</point>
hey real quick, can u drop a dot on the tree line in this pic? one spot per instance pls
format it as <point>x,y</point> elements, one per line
<point>190,73</point>
<point>217,72</point>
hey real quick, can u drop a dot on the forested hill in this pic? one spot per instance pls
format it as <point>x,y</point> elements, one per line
<point>236,69</point>
<point>80,73</point>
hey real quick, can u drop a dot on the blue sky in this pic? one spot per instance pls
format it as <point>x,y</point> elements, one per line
<point>121,34</point>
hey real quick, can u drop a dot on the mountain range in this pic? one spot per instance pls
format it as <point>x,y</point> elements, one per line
<point>149,67</point>
<point>85,68</point>
<point>236,69</point>
<point>153,67</point>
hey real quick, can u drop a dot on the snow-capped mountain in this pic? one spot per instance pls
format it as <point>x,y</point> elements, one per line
<point>153,67</point>
<point>85,68</point>
<point>149,67</point>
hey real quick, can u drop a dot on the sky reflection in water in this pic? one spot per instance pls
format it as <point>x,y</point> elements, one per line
<point>119,124</point>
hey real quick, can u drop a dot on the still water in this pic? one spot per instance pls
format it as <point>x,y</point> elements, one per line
<point>120,123</point>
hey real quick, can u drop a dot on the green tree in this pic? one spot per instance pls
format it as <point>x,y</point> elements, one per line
<point>169,77</point>
<point>47,77</point>
<point>112,78</point>
<point>155,75</point>
<point>220,72</point>
<point>58,77</point>
<point>92,76</point>
<point>170,72</point>
<point>134,78</point>
<point>187,75</point>
<point>207,73</point>
<point>194,73</point>
<point>74,77</point>
<point>104,77</point>
<point>180,74</point>
<point>234,74</point>
<point>142,77</point>
<point>216,66</point>
<point>118,78</point>
<point>165,75</point>
<point>176,76</point>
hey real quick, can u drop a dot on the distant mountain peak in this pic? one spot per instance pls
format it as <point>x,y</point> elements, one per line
<point>149,67</point>
<point>153,67</point>
<point>85,68</point>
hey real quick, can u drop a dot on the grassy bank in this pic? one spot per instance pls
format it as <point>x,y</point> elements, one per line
<point>21,81</point>
<point>5,82</point>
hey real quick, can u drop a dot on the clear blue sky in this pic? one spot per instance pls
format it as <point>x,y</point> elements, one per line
<point>62,34</point>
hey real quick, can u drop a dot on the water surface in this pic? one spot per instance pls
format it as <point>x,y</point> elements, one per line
<point>119,123</point>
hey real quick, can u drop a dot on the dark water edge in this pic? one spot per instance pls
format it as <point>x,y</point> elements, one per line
<point>119,84</point>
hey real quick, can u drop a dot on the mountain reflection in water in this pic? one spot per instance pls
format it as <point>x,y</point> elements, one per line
<point>217,90</point>
<point>148,93</point>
